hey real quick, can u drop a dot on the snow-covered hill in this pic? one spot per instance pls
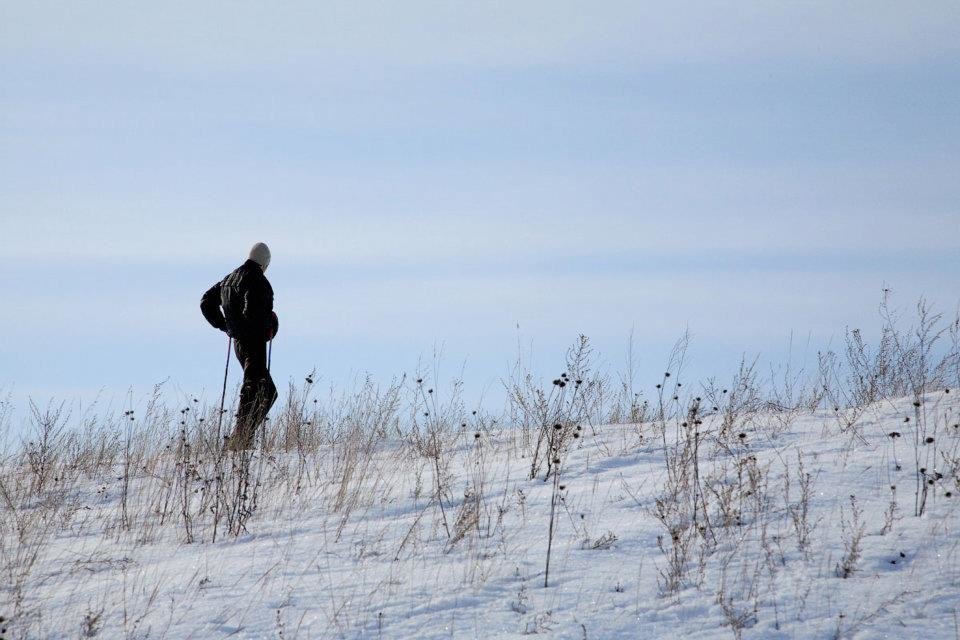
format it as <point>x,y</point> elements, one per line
<point>772,524</point>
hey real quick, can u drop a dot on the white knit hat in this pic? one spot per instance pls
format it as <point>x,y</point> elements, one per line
<point>260,253</point>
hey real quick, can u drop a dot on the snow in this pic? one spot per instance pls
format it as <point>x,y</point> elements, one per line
<point>382,565</point>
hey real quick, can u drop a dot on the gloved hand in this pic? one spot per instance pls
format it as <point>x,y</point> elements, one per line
<point>274,326</point>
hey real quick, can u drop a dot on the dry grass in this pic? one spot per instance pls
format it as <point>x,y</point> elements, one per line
<point>163,473</point>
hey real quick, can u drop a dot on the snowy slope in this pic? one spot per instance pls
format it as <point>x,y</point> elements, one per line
<point>369,556</point>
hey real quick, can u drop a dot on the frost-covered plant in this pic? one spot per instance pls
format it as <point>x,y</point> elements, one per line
<point>738,596</point>
<point>852,528</point>
<point>890,514</point>
<point>799,511</point>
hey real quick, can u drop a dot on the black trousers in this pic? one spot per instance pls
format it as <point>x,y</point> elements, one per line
<point>257,394</point>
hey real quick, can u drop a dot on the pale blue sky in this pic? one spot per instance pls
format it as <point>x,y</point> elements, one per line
<point>439,173</point>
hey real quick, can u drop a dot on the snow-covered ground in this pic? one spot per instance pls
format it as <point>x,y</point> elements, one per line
<point>348,545</point>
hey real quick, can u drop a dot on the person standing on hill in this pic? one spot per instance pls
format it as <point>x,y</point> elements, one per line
<point>242,306</point>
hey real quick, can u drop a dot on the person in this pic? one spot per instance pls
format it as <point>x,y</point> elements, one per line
<point>242,306</point>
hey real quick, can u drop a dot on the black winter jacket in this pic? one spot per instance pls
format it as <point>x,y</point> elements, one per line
<point>247,300</point>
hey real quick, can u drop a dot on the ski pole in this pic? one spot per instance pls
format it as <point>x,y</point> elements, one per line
<point>223,396</point>
<point>269,354</point>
